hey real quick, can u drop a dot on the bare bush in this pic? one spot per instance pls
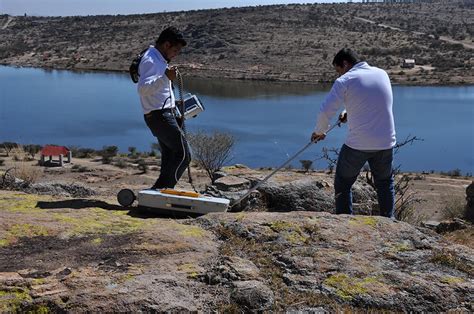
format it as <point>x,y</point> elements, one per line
<point>306,164</point>
<point>142,166</point>
<point>22,168</point>
<point>211,151</point>
<point>8,147</point>
<point>455,208</point>
<point>27,172</point>
<point>107,153</point>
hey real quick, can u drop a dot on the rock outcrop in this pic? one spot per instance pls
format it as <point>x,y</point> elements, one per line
<point>100,259</point>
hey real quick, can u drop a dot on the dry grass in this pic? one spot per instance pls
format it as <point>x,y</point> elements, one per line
<point>455,208</point>
<point>23,168</point>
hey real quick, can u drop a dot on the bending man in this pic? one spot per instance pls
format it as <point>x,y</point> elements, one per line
<point>366,93</point>
<point>158,102</point>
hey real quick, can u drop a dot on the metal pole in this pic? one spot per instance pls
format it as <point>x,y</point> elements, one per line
<point>338,123</point>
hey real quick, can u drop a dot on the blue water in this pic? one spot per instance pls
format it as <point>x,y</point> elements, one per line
<point>270,121</point>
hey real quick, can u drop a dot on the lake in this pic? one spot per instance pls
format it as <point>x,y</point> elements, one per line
<point>270,121</point>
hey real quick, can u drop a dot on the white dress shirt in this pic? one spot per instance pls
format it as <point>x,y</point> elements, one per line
<point>366,93</point>
<point>154,87</point>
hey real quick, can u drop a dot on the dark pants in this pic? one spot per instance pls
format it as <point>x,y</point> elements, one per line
<point>349,164</point>
<point>175,153</point>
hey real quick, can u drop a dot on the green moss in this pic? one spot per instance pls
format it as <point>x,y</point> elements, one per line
<point>190,231</point>
<point>280,225</point>
<point>347,288</point>
<point>190,270</point>
<point>240,216</point>
<point>452,280</point>
<point>451,259</point>
<point>400,247</point>
<point>11,300</point>
<point>38,281</point>
<point>25,203</point>
<point>17,231</point>
<point>364,220</point>
<point>39,309</point>
<point>291,232</point>
<point>101,221</point>
<point>96,241</point>
<point>125,278</point>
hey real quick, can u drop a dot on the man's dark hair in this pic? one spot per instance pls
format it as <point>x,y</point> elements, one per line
<point>346,54</point>
<point>171,35</point>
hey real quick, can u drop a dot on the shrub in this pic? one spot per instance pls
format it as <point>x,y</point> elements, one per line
<point>455,208</point>
<point>79,168</point>
<point>142,166</point>
<point>28,173</point>
<point>132,150</point>
<point>107,153</point>
<point>82,152</point>
<point>121,163</point>
<point>32,150</point>
<point>8,147</point>
<point>2,162</point>
<point>306,164</point>
<point>211,151</point>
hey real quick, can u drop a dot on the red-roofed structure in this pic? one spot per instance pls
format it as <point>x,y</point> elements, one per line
<point>53,150</point>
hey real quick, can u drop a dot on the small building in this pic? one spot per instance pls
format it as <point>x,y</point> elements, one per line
<point>408,63</point>
<point>51,151</point>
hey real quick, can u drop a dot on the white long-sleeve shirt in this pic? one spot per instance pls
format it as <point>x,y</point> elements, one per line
<point>366,93</point>
<point>154,87</point>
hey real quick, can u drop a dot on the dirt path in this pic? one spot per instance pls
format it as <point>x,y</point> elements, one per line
<point>443,38</point>
<point>10,18</point>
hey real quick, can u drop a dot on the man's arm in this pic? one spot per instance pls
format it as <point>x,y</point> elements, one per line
<point>150,75</point>
<point>333,102</point>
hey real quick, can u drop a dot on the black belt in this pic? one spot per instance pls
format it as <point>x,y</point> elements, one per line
<point>159,111</point>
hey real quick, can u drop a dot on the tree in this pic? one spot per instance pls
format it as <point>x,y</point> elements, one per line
<point>211,152</point>
<point>32,149</point>
<point>132,150</point>
<point>306,164</point>
<point>107,153</point>
<point>8,147</point>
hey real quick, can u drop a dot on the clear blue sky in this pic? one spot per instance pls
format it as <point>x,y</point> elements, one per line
<point>97,7</point>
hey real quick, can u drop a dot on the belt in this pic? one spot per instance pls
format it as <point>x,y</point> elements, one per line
<point>159,111</point>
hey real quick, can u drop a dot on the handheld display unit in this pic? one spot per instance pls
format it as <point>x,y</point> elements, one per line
<point>192,107</point>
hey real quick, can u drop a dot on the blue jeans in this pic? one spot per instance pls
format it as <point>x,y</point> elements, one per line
<point>349,164</point>
<point>175,152</point>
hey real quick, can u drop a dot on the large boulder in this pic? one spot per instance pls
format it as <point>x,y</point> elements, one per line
<point>304,195</point>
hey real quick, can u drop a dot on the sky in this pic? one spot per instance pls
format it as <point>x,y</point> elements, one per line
<point>113,7</point>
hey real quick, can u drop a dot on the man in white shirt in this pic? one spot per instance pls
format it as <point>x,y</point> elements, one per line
<point>366,94</point>
<point>158,103</point>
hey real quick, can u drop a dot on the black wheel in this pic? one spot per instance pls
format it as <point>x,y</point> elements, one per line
<point>126,197</point>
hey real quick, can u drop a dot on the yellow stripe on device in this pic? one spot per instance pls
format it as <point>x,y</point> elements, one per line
<point>180,193</point>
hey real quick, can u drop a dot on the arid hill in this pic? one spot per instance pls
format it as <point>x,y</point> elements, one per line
<point>279,42</point>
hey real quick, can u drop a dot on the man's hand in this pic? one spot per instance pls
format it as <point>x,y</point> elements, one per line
<point>315,137</point>
<point>343,116</point>
<point>171,73</point>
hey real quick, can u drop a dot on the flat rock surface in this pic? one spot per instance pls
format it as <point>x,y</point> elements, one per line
<point>79,255</point>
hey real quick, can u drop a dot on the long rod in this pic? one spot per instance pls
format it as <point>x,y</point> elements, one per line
<point>338,123</point>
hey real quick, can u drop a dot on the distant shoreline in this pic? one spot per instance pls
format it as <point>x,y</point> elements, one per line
<point>114,71</point>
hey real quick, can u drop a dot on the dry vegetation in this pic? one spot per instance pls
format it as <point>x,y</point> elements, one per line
<point>280,42</point>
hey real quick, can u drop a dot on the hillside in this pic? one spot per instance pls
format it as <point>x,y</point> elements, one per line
<point>279,42</point>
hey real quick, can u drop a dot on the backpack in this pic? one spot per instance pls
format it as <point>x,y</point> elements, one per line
<point>133,70</point>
